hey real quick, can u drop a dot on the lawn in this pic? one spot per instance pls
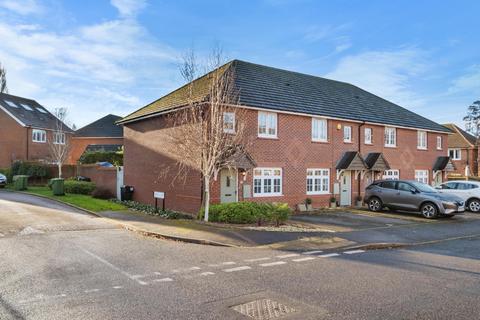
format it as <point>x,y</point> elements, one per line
<point>79,200</point>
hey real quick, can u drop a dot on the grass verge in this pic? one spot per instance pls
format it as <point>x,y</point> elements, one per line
<point>79,200</point>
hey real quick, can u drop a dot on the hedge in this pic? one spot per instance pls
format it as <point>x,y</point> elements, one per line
<point>115,158</point>
<point>247,212</point>
<point>79,187</point>
<point>31,169</point>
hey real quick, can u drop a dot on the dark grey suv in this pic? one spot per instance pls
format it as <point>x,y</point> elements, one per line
<point>412,196</point>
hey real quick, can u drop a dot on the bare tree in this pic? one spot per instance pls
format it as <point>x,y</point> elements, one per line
<point>209,131</point>
<point>3,80</point>
<point>472,119</point>
<point>59,145</point>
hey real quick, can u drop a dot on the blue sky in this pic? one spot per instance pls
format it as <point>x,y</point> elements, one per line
<point>98,56</point>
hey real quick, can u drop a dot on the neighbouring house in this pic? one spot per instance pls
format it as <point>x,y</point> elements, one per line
<point>100,135</point>
<point>312,138</point>
<point>463,151</point>
<point>26,128</point>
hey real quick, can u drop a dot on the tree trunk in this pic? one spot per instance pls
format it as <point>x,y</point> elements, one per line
<point>59,170</point>
<point>207,198</point>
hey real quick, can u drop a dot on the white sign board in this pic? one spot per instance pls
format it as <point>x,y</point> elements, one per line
<point>159,195</point>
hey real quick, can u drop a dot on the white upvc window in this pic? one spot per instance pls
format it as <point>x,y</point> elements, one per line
<point>368,135</point>
<point>58,138</point>
<point>422,140</point>
<point>390,137</point>
<point>267,182</point>
<point>319,130</point>
<point>455,154</point>
<point>39,136</point>
<point>318,181</point>
<point>267,124</point>
<point>229,122</point>
<point>439,143</point>
<point>421,176</point>
<point>392,174</point>
<point>347,134</point>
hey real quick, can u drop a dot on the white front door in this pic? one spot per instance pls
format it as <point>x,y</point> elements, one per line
<point>228,186</point>
<point>346,189</point>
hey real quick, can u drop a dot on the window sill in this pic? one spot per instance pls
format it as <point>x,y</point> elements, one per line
<point>422,149</point>
<point>266,195</point>
<point>392,147</point>
<point>39,141</point>
<point>368,144</point>
<point>348,142</point>
<point>318,193</point>
<point>321,141</point>
<point>268,137</point>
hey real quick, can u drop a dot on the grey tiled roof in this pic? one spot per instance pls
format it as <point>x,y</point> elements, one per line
<point>27,112</point>
<point>281,90</point>
<point>103,127</point>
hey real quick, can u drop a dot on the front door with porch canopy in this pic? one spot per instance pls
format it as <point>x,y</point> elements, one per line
<point>346,189</point>
<point>228,185</point>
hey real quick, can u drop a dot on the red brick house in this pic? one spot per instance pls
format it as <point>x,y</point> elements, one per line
<point>100,135</point>
<point>312,138</point>
<point>26,128</point>
<point>463,150</point>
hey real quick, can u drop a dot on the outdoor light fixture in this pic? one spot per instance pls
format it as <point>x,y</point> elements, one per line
<point>339,126</point>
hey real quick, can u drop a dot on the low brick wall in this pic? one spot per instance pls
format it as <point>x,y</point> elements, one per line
<point>105,178</point>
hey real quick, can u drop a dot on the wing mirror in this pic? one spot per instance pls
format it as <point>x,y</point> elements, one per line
<point>413,190</point>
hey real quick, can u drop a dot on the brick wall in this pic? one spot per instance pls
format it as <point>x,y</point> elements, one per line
<point>104,177</point>
<point>293,151</point>
<point>78,146</point>
<point>13,139</point>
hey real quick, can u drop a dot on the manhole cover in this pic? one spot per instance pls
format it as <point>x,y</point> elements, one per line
<point>263,309</point>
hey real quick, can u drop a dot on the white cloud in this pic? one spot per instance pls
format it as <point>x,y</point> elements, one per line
<point>23,7</point>
<point>388,74</point>
<point>128,8</point>
<point>109,67</point>
<point>469,82</point>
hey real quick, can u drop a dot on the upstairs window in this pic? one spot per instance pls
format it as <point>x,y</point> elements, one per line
<point>439,143</point>
<point>267,182</point>
<point>390,137</point>
<point>39,136</point>
<point>368,135</point>
<point>229,122</point>
<point>319,130</point>
<point>59,138</point>
<point>347,134</point>
<point>455,154</point>
<point>267,124</point>
<point>422,140</point>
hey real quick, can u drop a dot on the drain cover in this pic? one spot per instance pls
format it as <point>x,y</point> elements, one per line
<point>263,309</point>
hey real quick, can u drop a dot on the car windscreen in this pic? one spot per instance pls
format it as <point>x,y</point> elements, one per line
<point>423,187</point>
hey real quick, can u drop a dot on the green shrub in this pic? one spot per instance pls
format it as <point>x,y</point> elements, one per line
<point>115,158</point>
<point>79,187</point>
<point>102,193</point>
<point>32,169</point>
<point>150,210</point>
<point>247,212</point>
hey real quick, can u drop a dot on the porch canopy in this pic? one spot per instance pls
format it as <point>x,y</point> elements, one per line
<point>237,157</point>
<point>351,160</point>
<point>443,163</point>
<point>375,161</point>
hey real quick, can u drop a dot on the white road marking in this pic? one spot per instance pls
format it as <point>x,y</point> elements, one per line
<point>194,268</point>
<point>138,276</point>
<point>40,297</point>
<point>91,290</point>
<point>303,259</point>
<point>329,255</point>
<point>163,280</point>
<point>208,273</point>
<point>157,273</point>
<point>313,252</point>
<point>228,263</point>
<point>269,264</point>
<point>283,256</point>
<point>257,259</point>
<point>237,269</point>
<point>353,251</point>
<point>126,274</point>
<point>117,287</point>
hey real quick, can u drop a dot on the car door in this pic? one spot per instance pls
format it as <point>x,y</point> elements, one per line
<point>405,198</point>
<point>387,192</point>
<point>448,187</point>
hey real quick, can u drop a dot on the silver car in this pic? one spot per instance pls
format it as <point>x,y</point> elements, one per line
<point>3,181</point>
<point>412,196</point>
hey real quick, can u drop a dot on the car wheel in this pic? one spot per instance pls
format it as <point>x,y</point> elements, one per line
<point>375,204</point>
<point>429,210</point>
<point>474,205</point>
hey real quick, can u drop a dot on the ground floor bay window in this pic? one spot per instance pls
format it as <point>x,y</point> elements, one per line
<point>267,182</point>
